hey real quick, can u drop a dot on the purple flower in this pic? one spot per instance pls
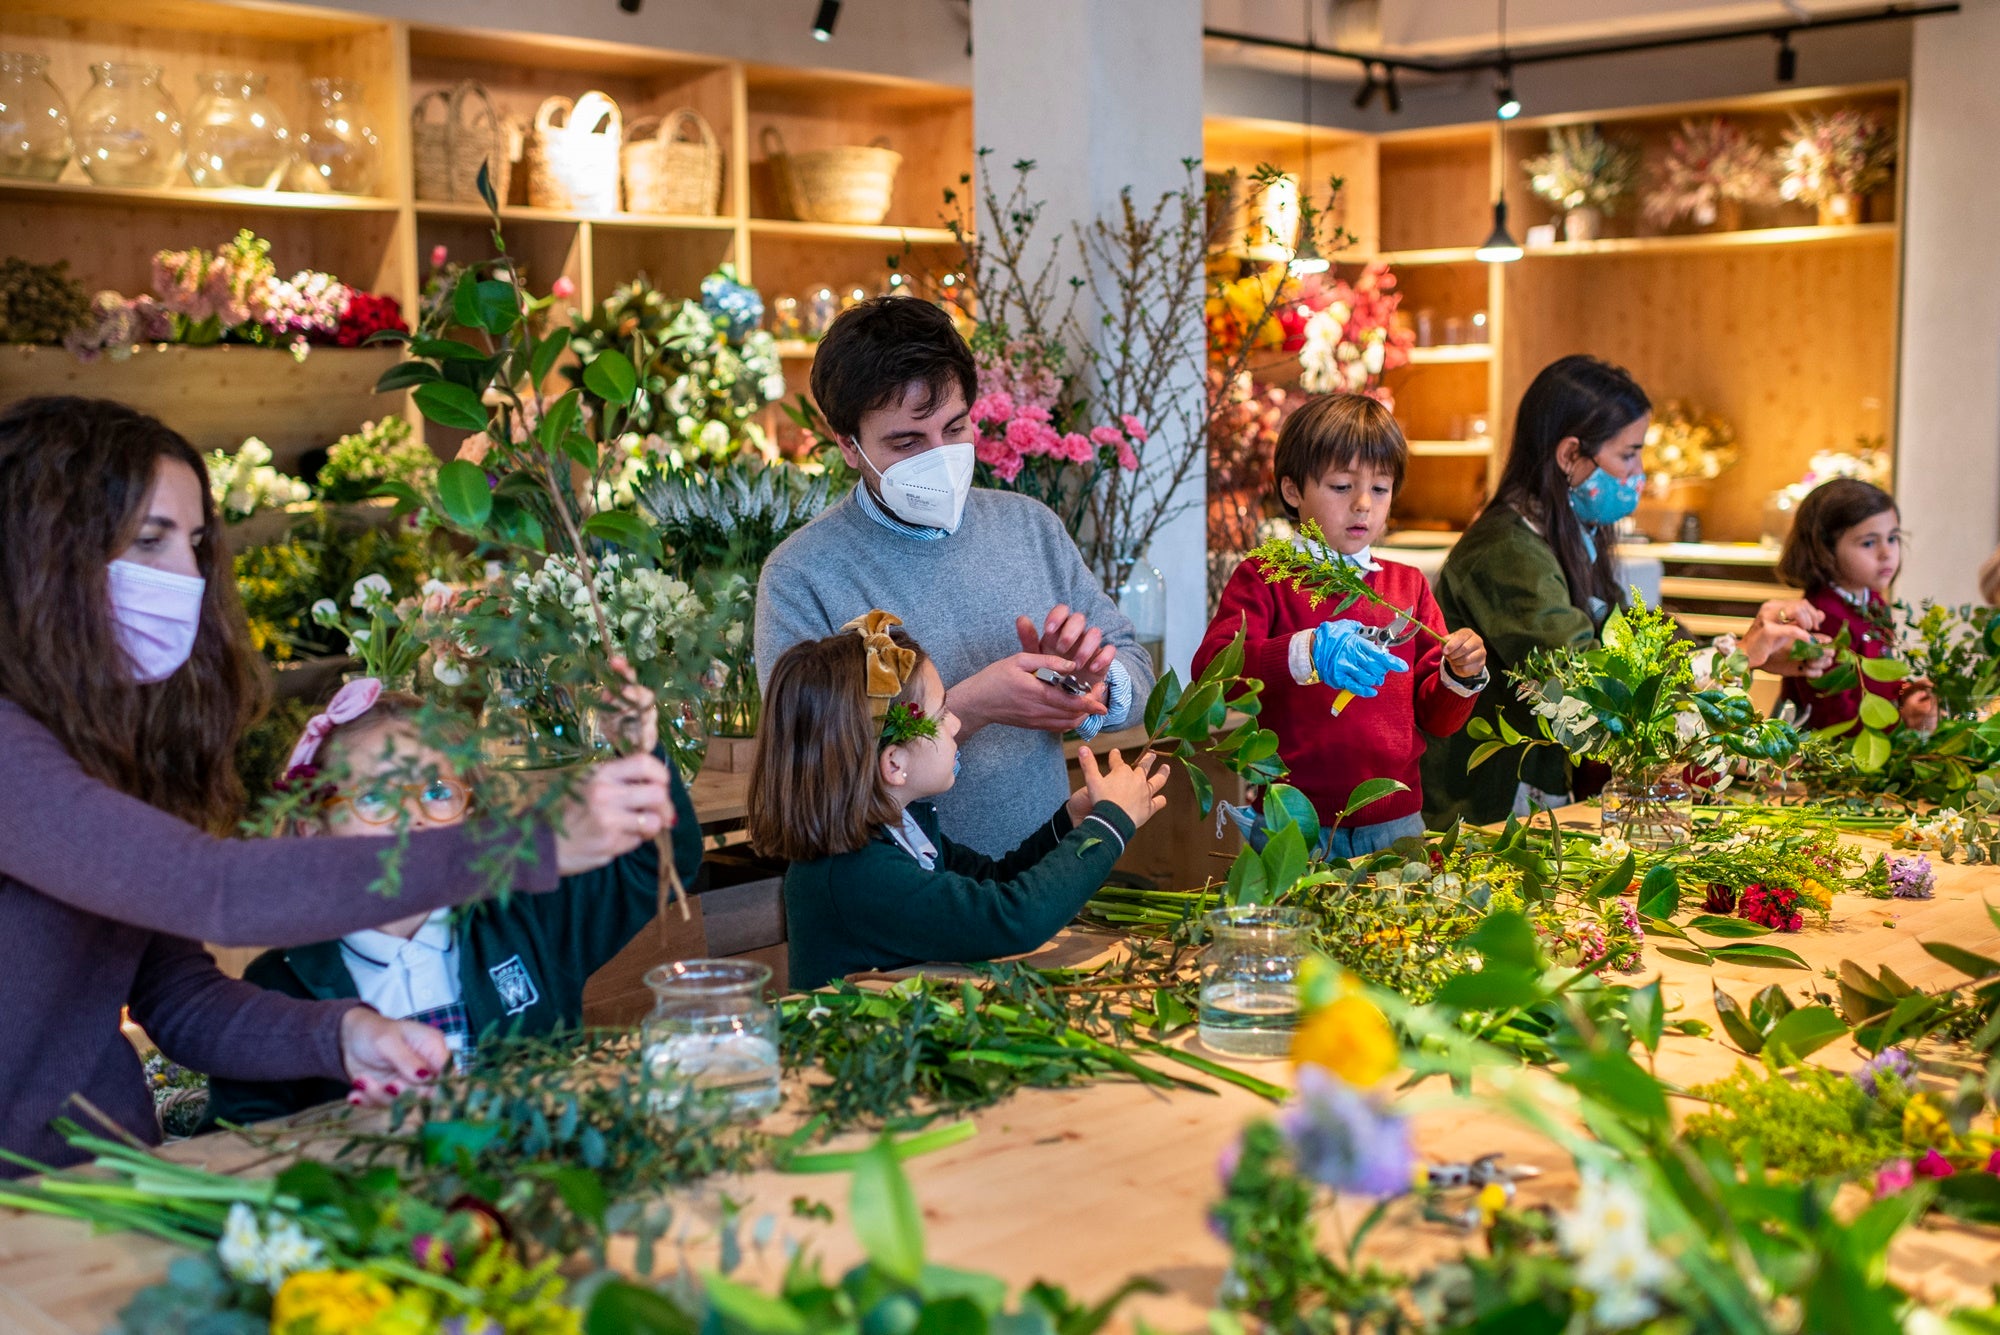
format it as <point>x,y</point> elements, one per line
<point>1911,878</point>
<point>1342,1138</point>
<point>1893,1061</point>
<point>1225,1162</point>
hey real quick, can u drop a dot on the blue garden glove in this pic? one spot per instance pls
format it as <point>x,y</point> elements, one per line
<point>1348,661</point>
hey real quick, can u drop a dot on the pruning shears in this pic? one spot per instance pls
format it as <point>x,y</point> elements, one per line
<point>1392,636</point>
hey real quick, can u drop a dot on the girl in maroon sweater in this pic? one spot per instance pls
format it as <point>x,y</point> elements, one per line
<point>1339,461</point>
<point>125,682</point>
<point>1844,550</point>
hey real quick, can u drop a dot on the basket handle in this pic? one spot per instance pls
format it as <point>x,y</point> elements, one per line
<point>642,129</point>
<point>424,104</point>
<point>880,141</point>
<point>683,117</point>
<point>595,113</point>
<point>462,96</point>
<point>545,114</point>
<point>772,142</point>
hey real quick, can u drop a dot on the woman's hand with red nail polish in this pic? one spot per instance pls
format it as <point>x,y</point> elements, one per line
<point>385,1058</point>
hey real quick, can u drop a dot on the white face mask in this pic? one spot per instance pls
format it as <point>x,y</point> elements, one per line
<point>155,614</point>
<point>928,490</point>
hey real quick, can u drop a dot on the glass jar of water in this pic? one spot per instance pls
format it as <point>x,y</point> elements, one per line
<point>1250,978</point>
<point>713,1031</point>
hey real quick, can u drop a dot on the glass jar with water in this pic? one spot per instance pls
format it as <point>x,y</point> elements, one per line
<point>1250,978</point>
<point>714,1031</point>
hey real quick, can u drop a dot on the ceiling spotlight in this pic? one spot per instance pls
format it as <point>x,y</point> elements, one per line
<point>1788,59</point>
<point>1389,90</point>
<point>1366,93</point>
<point>1500,247</point>
<point>1505,105</point>
<point>829,14</point>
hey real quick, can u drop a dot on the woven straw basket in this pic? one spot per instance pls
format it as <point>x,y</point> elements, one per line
<point>834,185</point>
<point>667,173</point>
<point>573,155</point>
<point>448,153</point>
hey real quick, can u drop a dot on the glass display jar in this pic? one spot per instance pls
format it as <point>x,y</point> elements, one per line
<point>34,120</point>
<point>1653,811</point>
<point>1142,596</point>
<point>337,151</point>
<point>713,1030</point>
<point>128,131</point>
<point>1250,979</point>
<point>237,138</point>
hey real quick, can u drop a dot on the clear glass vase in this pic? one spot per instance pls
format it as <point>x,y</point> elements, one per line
<point>736,705</point>
<point>713,1032</point>
<point>1652,811</point>
<point>536,725</point>
<point>1141,595</point>
<point>338,153</point>
<point>34,120</point>
<point>1250,979</point>
<point>237,138</point>
<point>128,131</point>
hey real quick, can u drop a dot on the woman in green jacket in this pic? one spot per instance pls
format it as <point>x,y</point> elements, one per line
<point>1538,570</point>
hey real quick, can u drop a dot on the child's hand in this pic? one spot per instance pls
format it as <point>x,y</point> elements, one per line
<point>1919,707</point>
<point>1465,654</point>
<point>384,1057</point>
<point>1133,789</point>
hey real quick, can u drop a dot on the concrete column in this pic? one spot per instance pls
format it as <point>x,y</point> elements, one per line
<point>1103,94</point>
<point>1948,419</point>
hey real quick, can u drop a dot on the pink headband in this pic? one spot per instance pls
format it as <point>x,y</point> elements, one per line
<point>349,703</point>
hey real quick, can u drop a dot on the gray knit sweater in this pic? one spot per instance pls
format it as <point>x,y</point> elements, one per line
<point>958,596</point>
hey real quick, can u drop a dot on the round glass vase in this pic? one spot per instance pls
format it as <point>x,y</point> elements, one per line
<point>338,153</point>
<point>713,1033</point>
<point>1652,810</point>
<point>1250,978</point>
<point>736,705</point>
<point>1141,594</point>
<point>128,131</point>
<point>34,120</point>
<point>237,138</point>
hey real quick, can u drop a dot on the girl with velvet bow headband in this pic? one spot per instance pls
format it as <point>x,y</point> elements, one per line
<point>857,739</point>
<point>125,683</point>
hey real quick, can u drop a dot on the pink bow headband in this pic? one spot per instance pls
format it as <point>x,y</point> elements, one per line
<point>349,703</point>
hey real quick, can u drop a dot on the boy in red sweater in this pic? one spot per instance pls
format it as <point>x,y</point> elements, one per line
<point>1339,461</point>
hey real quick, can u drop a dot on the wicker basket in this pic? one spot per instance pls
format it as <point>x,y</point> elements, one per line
<point>834,185</point>
<point>573,155</point>
<point>665,173</point>
<point>449,153</point>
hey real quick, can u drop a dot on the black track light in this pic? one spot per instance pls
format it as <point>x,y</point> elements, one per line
<point>1500,246</point>
<point>829,14</point>
<point>630,6</point>
<point>1788,59</point>
<point>1505,105</point>
<point>1366,93</point>
<point>1390,93</point>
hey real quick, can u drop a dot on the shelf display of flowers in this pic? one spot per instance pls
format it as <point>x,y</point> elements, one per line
<point>1584,176</point>
<point>1834,160</point>
<point>1711,169</point>
<point>233,294</point>
<point>1686,443</point>
<point>379,452</point>
<point>1349,335</point>
<point>244,482</point>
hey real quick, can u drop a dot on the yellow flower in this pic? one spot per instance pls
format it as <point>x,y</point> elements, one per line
<point>1492,1200</point>
<point>329,1302</point>
<point>1818,894</point>
<point>1349,1037</point>
<point>1924,1123</point>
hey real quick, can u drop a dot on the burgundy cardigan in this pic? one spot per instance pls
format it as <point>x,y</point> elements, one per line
<point>1823,709</point>
<point>104,903</point>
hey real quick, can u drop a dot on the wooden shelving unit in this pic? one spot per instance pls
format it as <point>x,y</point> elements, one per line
<point>383,243</point>
<point>1785,328</point>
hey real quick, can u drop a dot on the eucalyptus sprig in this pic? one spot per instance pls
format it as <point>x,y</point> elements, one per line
<point>1315,569</point>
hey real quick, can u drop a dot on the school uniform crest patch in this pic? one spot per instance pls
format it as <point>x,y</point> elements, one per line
<point>517,990</point>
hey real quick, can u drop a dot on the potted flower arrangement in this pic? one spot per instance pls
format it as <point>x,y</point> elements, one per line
<point>1687,448</point>
<point>1647,706</point>
<point>1711,169</point>
<point>1584,175</point>
<point>1834,160</point>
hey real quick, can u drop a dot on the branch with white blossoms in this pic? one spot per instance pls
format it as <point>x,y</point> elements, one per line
<point>245,482</point>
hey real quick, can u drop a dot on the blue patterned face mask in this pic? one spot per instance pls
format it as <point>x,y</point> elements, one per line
<point>1604,499</point>
<point>957,764</point>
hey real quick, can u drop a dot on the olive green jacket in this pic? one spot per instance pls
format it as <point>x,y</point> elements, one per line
<point>1502,580</point>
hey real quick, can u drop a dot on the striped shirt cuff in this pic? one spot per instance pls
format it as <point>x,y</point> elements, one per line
<point>1108,828</point>
<point>1465,688</point>
<point>1117,704</point>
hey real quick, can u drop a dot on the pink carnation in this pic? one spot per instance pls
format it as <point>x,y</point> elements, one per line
<point>1106,437</point>
<point>1032,438</point>
<point>1128,458</point>
<point>1031,412</point>
<point>1892,1177</point>
<point>1076,447</point>
<point>1133,428</point>
<point>1934,1164</point>
<point>995,407</point>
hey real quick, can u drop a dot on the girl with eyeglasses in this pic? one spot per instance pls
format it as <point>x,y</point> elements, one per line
<point>517,966</point>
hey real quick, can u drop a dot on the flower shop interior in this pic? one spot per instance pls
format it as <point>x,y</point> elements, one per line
<point>498,333</point>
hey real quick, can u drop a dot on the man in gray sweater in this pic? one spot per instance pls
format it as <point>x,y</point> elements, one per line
<point>988,581</point>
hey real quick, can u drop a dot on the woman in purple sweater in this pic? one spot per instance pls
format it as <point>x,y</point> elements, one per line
<point>125,681</point>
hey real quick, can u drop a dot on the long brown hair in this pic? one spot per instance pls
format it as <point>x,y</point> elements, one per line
<point>1590,399</point>
<point>1809,560</point>
<point>815,787</point>
<point>74,477</point>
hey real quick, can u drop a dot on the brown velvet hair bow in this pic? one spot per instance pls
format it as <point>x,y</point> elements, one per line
<point>889,663</point>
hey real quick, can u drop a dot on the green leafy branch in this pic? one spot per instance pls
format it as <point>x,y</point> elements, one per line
<point>1180,720</point>
<point>1316,570</point>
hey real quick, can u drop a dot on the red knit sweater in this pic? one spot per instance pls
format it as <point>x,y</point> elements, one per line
<point>1330,756</point>
<point>1818,709</point>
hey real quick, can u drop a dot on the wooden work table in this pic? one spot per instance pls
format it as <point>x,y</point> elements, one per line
<point>1086,1186</point>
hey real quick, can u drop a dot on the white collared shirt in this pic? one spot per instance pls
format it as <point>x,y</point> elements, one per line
<point>910,837</point>
<point>402,978</point>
